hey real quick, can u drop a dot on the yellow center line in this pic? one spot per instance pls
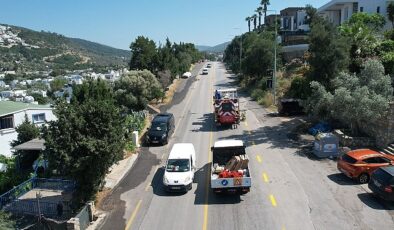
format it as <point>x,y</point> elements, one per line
<point>246,123</point>
<point>283,228</point>
<point>273,201</point>
<point>205,224</point>
<point>265,177</point>
<point>253,143</point>
<point>130,222</point>
<point>259,158</point>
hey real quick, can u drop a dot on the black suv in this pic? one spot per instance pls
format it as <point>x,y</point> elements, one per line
<point>163,125</point>
<point>382,183</point>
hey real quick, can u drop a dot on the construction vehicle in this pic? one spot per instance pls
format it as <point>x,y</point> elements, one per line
<point>226,107</point>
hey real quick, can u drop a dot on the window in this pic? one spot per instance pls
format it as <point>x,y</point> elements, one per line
<point>348,159</point>
<point>378,9</point>
<point>377,160</point>
<point>361,9</point>
<point>7,122</point>
<point>38,118</point>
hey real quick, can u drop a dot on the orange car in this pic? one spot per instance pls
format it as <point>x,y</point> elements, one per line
<point>359,164</point>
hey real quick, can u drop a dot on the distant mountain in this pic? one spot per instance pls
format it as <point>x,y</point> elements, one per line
<point>28,50</point>
<point>215,49</point>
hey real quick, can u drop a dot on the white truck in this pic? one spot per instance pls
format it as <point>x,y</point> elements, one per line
<point>230,167</point>
<point>180,168</point>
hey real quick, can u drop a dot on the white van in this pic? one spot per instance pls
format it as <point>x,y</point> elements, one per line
<point>180,168</point>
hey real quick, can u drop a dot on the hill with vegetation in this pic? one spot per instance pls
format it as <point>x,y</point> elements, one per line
<point>25,50</point>
<point>214,49</point>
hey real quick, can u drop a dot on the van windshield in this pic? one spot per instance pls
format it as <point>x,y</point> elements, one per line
<point>159,126</point>
<point>178,165</point>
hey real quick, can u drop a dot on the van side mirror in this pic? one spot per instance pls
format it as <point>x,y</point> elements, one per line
<point>212,148</point>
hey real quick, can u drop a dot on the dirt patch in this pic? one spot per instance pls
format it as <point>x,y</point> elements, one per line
<point>101,197</point>
<point>171,91</point>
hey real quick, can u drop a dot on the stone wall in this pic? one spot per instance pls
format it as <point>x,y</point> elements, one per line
<point>383,130</point>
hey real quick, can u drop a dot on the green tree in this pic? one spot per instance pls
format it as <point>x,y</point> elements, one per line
<point>356,99</point>
<point>40,99</point>
<point>390,13</point>
<point>143,54</point>
<point>258,58</point>
<point>134,90</point>
<point>311,14</point>
<point>259,11</point>
<point>265,3</point>
<point>363,32</point>
<point>328,52</point>
<point>248,19</point>
<point>26,132</point>
<point>6,223</point>
<point>58,83</point>
<point>88,132</point>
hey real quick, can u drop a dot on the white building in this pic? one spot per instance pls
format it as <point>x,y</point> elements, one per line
<point>338,11</point>
<point>13,114</point>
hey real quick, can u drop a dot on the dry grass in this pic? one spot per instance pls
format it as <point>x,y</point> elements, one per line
<point>100,198</point>
<point>171,91</point>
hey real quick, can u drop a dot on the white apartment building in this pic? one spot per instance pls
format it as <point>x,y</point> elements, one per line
<point>13,114</point>
<point>338,11</point>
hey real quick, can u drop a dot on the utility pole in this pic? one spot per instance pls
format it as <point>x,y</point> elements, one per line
<point>275,41</point>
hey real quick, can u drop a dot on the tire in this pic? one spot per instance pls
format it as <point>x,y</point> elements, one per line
<point>363,178</point>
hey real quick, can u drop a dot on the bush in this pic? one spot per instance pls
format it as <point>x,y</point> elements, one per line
<point>267,99</point>
<point>257,94</point>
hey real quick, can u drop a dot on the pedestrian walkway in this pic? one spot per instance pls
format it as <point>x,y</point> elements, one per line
<point>119,170</point>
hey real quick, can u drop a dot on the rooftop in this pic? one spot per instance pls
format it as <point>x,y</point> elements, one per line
<point>9,107</point>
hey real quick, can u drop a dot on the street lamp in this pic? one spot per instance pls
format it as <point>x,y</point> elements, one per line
<point>275,41</point>
<point>240,49</point>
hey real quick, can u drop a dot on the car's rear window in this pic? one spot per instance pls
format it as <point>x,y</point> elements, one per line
<point>382,175</point>
<point>348,159</point>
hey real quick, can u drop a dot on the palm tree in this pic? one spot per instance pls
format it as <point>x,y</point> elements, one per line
<point>248,19</point>
<point>254,17</point>
<point>265,3</point>
<point>259,10</point>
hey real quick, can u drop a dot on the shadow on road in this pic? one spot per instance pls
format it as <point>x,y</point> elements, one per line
<point>341,179</point>
<point>136,176</point>
<point>158,187</point>
<point>205,195</point>
<point>375,202</point>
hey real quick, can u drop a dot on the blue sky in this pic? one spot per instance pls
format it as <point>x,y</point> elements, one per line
<point>118,22</point>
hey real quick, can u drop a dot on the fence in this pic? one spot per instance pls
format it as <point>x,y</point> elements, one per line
<point>10,201</point>
<point>84,217</point>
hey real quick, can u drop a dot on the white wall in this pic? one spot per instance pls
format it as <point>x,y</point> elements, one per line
<point>8,135</point>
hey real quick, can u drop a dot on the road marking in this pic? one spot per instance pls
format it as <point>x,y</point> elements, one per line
<point>253,143</point>
<point>259,158</point>
<point>265,177</point>
<point>246,123</point>
<point>133,215</point>
<point>283,228</point>
<point>147,187</point>
<point>205,224</point>
<point>273,201</point>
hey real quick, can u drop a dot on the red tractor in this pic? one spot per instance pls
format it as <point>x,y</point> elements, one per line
<point>226,107</point>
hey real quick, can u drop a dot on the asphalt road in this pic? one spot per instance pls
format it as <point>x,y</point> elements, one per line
<point>290,188</point>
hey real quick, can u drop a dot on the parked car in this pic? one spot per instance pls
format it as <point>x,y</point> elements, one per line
<point>359,164</point>
<point>186,75</point>
<point>204,71</point>
<point>209,65</point>
<point>163,125</point>
<point>382,183</point>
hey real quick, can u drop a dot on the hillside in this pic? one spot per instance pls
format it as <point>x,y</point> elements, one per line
<point>214,49</point>
<point>24,50</point>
